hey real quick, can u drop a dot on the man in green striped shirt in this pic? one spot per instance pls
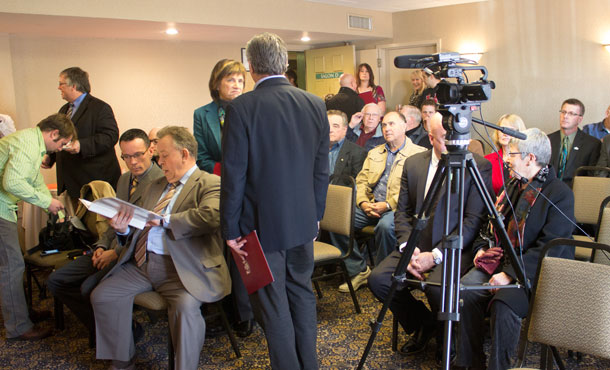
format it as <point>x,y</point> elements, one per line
<point>20,157</point>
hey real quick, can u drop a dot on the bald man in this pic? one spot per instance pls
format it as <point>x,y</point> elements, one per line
<point>152,136</point>
<point>416,179</point>
<point>347,99</point>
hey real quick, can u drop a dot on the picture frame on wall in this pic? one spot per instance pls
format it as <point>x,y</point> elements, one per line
<point>244,59</point>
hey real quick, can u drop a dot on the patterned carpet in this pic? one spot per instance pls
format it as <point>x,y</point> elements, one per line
<point>342,336</point>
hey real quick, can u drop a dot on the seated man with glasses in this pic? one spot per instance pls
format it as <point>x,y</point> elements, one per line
<point>532,207</point>
<point>364,128</point>
<point>571,147</point>
<point>72,284</point>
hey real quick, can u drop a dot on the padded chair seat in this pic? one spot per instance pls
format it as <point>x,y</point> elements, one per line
<point>151,300</point>
<point>368,230</point>
<point>323,251</point>
<point>54,260</point>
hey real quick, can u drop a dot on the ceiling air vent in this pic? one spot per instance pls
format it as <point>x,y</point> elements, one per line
<point>359,23</point>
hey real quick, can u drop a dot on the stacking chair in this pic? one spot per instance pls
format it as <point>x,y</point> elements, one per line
<point>570,306</point>
<point>154,303</point>
<point>589,192</point>
<point>338,218</point>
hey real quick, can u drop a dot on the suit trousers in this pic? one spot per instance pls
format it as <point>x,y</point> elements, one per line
<point>239,293</point>
<point>72,285</point>
<point>286,309</point>
<point>112,302</point>
<point>14,307</point>
<point>505,327</point>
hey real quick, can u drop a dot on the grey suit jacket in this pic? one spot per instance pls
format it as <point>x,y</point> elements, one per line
<point>108,240</point>
<point>192,237</point>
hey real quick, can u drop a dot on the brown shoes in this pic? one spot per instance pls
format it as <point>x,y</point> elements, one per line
<point>35,333</point>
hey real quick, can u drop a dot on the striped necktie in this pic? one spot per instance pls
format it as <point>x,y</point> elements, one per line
<point>70,110</point>
<point>134,185</point>
<point>563,157</point>
<point>140,253</point>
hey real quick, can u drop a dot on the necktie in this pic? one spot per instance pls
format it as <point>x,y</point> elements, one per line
<point>140,253</point>
<point>70,109</point>
<point>563,158</point>
<point>134,185</point>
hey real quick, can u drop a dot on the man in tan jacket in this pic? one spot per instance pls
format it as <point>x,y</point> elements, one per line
<point>378,186</point>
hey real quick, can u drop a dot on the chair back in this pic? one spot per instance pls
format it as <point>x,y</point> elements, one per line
<point>339,211</point>
<point>571,305</point>
<point>589,192</point>
<point>603,233</point>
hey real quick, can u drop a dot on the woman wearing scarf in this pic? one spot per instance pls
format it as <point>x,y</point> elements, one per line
<point>227,82</point>
<point>531,221</point>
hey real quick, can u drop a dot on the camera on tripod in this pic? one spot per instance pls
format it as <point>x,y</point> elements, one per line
<point>457,100</point>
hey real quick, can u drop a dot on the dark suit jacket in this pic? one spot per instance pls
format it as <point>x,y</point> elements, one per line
<point>206,129</point>
<point>543,224</point>
<point>349,162</point>
<point>411,199</point>
<point>584,152</point>
<point>108,240</point>
<point>274,165</point>
<point>347,101</point>
<point>420,137</point>
<point>98,133</point>
<point>193,236</point>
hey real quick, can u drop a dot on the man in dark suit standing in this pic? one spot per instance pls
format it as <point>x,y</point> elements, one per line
<point>417,175</point>
<point>92,156</point>
<point>72,283</point>
<point>180,257</point>
<point>347,99</point>
<point>571,147</point>
<point>274,181</point>
<point>345,158</point>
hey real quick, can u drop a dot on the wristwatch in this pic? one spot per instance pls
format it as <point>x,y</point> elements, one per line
<point>438,256</point>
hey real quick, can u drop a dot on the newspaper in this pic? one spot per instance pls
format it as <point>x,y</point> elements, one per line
<point>110,206</point>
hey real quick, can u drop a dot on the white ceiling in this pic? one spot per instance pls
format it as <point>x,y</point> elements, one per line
<point>392,6</point>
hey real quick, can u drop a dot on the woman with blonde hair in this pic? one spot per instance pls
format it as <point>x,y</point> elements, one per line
<point>417,80</point>
<point>499,174</point>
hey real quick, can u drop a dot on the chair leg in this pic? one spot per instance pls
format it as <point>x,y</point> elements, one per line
<point>557,358</point>
<point>394,334</point>
<point>522,347</point>
<point>170,349</point>
<point>317,286</point>
<point>225,324</point>
<point>370,243</point>
<point>351,287</point>
<point>28,285</point>
<point>58,308</point>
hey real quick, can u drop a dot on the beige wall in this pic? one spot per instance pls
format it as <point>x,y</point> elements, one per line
<point>539,52</point>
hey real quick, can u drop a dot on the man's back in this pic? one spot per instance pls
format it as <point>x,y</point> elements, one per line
<point>276,137</point>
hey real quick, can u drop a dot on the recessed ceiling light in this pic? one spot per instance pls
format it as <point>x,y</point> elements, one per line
<point>171,31</point>
<point>305,38</point>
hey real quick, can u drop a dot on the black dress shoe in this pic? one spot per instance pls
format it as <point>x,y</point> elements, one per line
<point>418,341</point>
<point>35,333</point>
<point>243,328</point>
<point>38,316</point>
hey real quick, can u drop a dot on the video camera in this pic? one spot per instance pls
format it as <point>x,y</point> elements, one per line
<point>457,100</point>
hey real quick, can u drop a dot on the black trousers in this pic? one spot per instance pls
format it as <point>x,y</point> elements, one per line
<point>73,283</point>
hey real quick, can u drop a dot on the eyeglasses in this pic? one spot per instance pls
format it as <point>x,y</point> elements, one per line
<point>136,156</point>
<point>154,141</point>
<point>569,114</point>
<point>371,114</point>
<point>517,153</point>
<point>62,83</point>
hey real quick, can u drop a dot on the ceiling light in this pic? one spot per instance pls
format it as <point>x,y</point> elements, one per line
<point>305,38</point>
<point>472,56</point>
<point>171,31</point>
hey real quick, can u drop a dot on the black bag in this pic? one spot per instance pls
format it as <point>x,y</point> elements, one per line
<point>63,236</point>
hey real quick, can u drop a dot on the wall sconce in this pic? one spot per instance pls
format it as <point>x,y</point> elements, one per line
<point>472,56</point>
<point>607,47</point>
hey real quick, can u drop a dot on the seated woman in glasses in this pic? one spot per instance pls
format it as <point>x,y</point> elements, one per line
<point>531,221</point>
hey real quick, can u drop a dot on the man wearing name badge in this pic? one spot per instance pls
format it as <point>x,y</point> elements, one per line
<point>73,283</point>
<point>179,257</point>
<point>92,156</point>
<point>21,155</point>
<point>274,181</point>
<point>571,147</point>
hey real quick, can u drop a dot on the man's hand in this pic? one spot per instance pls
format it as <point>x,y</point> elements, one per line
<point>120,221</point>
<point>153,223</point>
<point>55,206</point>
<point>102,258</point>
<point>236,245</point>
<point>500,278</point>
<point>421,264</point>
<point>46,162</point>
<point>380,208</point>
<point>73,147</point>
<point>374,210</point>
<point>355,120</point>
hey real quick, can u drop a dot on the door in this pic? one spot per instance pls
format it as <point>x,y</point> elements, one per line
<point>325,66</point>
<point>396,82</point>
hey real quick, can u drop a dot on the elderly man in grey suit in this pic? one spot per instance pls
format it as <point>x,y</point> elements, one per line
<point>180,257</point>
<point>72,284</point>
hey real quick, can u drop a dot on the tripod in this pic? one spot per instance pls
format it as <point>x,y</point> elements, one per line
<point>451,172</point>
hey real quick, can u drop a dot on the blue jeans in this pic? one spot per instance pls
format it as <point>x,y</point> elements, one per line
<point>385,239</point>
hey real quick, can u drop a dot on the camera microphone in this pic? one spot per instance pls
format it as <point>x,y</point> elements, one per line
<point>413,61</point>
